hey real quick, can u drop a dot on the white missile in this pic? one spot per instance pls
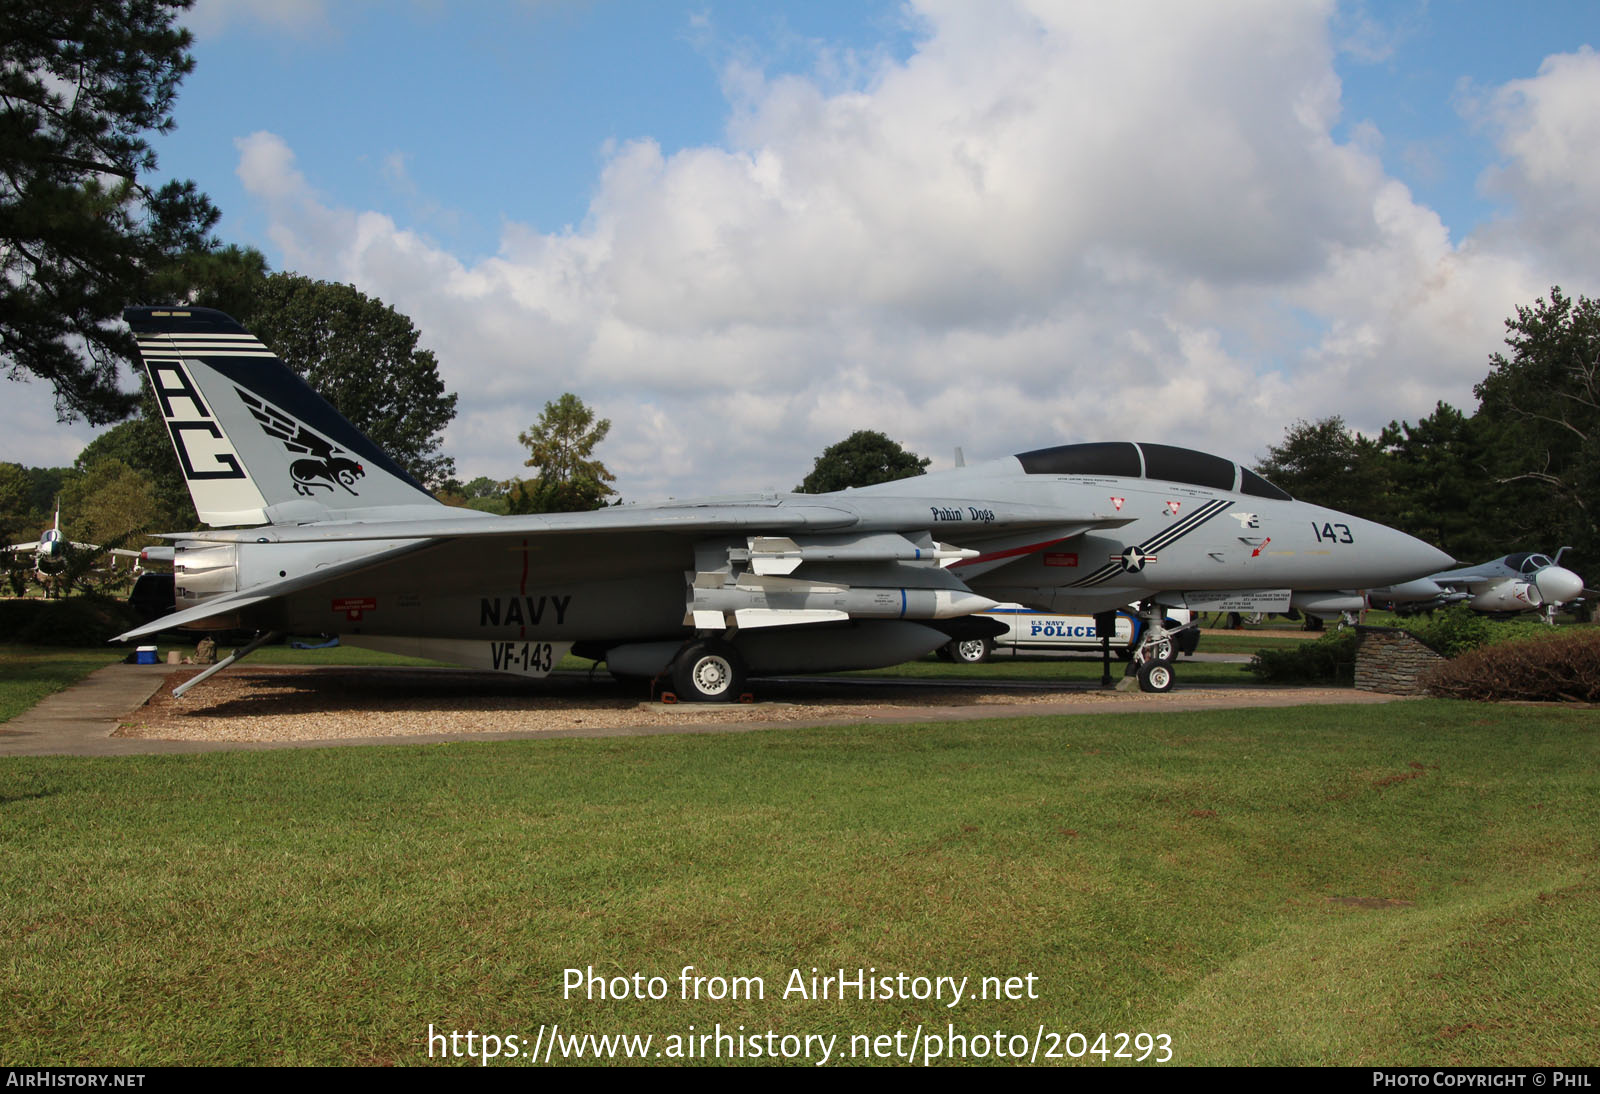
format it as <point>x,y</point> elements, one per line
<point>807,602</point>
<point>782,555</point>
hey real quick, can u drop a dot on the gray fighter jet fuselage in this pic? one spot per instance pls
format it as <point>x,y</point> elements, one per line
<point>316,531</point>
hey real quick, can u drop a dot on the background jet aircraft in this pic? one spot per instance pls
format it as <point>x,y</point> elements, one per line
<point>1523,582</point>
<point>50,548</point>
<point>50,551</point>
<point>341,540</point>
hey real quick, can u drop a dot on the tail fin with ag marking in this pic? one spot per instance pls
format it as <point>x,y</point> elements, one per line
<point>256,444</point>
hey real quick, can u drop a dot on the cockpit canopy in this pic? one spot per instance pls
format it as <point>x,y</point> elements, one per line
<point>1149,461</point>
<point>1528,562</point>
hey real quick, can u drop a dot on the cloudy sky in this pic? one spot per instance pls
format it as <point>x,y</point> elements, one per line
<point>742,231</point>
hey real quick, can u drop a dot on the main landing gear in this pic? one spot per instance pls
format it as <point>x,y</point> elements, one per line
<point>708,670</point>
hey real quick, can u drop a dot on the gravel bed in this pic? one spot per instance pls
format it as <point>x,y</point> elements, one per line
<point>292,704</point>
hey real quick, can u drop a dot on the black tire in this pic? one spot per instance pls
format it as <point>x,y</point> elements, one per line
<point>1156,676</point>
<point>969,651</point>
<point>708,672</point>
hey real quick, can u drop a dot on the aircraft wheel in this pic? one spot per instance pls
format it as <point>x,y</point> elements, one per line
<point>1159,650</point>
<point>708,672</point>
<point>1156,676</point>
<point>969,651</point>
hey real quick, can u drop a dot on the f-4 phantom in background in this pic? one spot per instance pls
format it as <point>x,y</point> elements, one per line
<point>314,530</point>
<point>1524,582</point>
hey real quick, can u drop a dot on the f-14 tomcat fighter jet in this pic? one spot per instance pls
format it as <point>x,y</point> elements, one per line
<point>314,530</point>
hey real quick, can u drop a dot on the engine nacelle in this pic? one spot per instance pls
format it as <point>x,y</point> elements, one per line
<point>201,571</point>
<point>1508,596</point>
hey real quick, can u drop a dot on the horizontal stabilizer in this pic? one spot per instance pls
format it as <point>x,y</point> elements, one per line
<point>268,590</point>
<point>191,617</point>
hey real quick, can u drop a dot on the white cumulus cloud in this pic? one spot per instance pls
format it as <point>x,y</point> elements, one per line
<point>1050,223</point>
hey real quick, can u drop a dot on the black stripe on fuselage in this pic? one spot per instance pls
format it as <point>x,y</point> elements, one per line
<point>1162,539</point>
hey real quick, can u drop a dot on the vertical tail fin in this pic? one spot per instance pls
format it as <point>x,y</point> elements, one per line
<point>255,443</point>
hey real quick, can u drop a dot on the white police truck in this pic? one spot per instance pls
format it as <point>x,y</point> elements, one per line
<point>1027,629</point>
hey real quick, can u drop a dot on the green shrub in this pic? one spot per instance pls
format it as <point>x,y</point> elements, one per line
<point>1458,629</point>
<point>77,621</point>
<point>1558,666</point>
<point>1331,659</point>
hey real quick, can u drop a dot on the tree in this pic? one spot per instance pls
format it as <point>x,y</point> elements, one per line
<point>109,505</point>
<point>361,355</point>
<point>230,279</point>
<point>1444,490</point>
<point>16,509</point>
<point>560,445</point>
<point>82,231</point>
<point>483,494</point>
<point>142,444</point>
<point>1326,463</point>
<point>1541,409</point>
<point>864,458</point>
<point>109,501</point>
<point>483,488</point>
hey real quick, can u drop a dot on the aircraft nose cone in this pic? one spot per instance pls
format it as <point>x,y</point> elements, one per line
<point>1388,557</point>
<point>1557,584</point>
<point>1417,558</point>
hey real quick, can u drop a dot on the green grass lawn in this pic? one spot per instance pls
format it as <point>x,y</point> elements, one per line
<point>1408,884</point>
<point>29,673</point>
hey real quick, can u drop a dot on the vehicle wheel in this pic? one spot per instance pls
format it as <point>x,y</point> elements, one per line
<point>708,672</point>
<point>969,651</point>
<point>1159,650</point>
<point>1156,676</point>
